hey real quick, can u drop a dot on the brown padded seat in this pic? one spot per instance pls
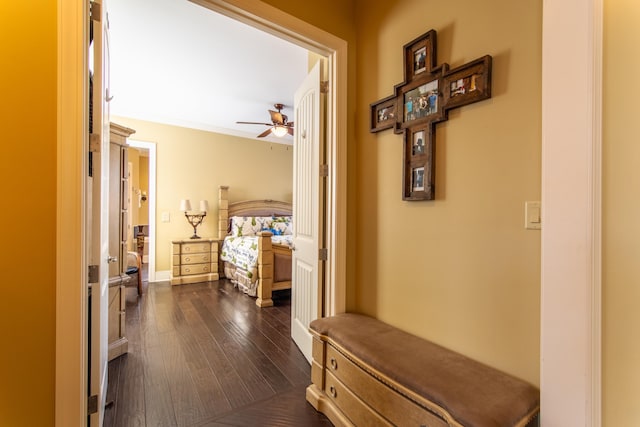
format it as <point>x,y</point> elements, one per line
<point>472,393</point>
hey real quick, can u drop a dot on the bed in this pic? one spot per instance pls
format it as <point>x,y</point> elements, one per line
<point>256,249</point>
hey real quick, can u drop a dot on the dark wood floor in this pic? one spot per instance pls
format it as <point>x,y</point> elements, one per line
<point>206,355</point>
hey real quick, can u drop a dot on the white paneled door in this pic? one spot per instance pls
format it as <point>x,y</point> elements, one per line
<point>98,217</point>
<point>308,149</point>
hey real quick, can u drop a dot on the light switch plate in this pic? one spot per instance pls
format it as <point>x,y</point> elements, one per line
<point>165,217</point>
<point>532,216</point>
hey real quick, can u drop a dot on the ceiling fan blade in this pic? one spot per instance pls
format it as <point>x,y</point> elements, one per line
<point>254,123</point>
<point>265,133</point>
<point>276,117</point>
<point>290,130</point>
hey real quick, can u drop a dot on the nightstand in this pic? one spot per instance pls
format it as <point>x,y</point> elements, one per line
<point>194,260</point>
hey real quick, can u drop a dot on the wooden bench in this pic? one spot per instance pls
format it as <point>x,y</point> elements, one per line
<point>367,373</point>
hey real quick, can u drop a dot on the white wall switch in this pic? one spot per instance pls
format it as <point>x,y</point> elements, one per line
<point>532,216</point>
<point>165,217</point>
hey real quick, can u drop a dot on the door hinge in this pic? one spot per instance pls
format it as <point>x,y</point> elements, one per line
<point>323,254</point>
<point>94,273</point>
<point>95,12</point>
<point>94,142</point>
<point>324,86</point>
<point>324,170</point>
<point>92,404</point>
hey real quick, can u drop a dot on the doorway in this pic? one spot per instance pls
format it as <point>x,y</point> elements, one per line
<point>72,89</point>
<point>148,150</point>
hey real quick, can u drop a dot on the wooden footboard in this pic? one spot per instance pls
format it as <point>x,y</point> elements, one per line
<point>273,259</point>
<point>267,269</point>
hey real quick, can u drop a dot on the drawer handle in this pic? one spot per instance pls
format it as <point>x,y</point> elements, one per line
<point>333,392</point>
<point>187,259</point>
<point>334,364</point>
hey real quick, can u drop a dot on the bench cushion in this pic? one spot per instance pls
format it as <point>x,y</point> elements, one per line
<point>472,393</point>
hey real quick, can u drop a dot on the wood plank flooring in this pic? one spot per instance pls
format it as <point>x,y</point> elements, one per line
<point>205,355</point>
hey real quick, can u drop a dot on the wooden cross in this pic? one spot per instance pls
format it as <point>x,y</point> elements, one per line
<point>422,100</point>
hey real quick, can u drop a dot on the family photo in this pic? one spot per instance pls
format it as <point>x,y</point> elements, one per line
<point>421,101</point>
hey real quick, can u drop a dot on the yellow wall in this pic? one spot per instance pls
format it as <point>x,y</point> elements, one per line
<point>621,210</point>
<point>28,36</point>
<point>460,270</point>
<point>192,164</point>
<point>134,175</point>
<point>143,179</point>
<point>139,173</point>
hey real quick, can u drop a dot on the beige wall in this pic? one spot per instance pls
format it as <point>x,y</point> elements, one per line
<point>192,164</point>
<point>621,210</point>
<point>460,270</point>
<point>139,173</point>
<point>134,175</point>
<point>143,179</point>
<point>28,37</point>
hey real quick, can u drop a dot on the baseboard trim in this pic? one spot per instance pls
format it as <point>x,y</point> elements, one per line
<point>162,276</point>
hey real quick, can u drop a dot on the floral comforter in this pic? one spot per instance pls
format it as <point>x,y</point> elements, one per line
<point>242,251</point>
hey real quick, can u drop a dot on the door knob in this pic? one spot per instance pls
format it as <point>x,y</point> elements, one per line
<point>112,259</point>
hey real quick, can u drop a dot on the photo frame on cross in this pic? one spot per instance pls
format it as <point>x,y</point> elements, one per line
<point>418,182</point>
<point>420,56</point>
<point>383,114</point>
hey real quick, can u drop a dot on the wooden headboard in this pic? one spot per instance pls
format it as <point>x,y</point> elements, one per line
<point>263,207</point>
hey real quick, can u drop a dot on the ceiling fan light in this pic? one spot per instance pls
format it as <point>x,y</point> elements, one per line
<point>279,131</point>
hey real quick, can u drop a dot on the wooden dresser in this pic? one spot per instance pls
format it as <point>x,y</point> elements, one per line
<point>194,260</point>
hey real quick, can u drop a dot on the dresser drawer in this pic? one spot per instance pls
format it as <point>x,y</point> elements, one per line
<point>389,403</point>
<point>354,408</point>
<point>188,248</point>
<point>186,270</point>
<point>195,258</point>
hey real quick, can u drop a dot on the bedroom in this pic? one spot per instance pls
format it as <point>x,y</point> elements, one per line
<point>190,121</point>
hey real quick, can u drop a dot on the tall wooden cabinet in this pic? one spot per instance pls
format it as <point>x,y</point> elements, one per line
<point>118,212</point>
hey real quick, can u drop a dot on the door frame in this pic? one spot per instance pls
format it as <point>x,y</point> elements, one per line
<point>71,222</point>
<point>151,201</point>
<point>571,258</point>
<point>72,144</point>
<point>280,24</point>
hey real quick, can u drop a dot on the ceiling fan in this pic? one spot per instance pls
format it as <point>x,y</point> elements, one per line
<point>279,126</point>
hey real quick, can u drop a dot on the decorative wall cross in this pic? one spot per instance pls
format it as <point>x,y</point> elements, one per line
<point>422,100</point>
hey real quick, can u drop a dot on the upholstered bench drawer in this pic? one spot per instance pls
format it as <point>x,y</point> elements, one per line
<point>376,374</point>
<point>350,405</point>
<point>388,402</point>
<point>186,270</point>
<point>195,258</point>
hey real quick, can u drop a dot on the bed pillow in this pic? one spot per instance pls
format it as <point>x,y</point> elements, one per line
<point>248,225</point>
<point>282,224</point>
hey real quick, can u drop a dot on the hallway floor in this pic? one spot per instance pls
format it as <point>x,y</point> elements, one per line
<point>205,355</point>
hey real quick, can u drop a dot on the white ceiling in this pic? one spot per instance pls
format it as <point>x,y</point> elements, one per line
<point>178,63</point>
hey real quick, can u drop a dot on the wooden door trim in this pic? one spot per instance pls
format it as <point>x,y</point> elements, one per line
<point>71,260</point>
<point>280,24</point>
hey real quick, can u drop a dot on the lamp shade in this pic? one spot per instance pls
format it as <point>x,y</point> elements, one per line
<point>279,131</point>
<point>185,205</point>
<point>204,206</point>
